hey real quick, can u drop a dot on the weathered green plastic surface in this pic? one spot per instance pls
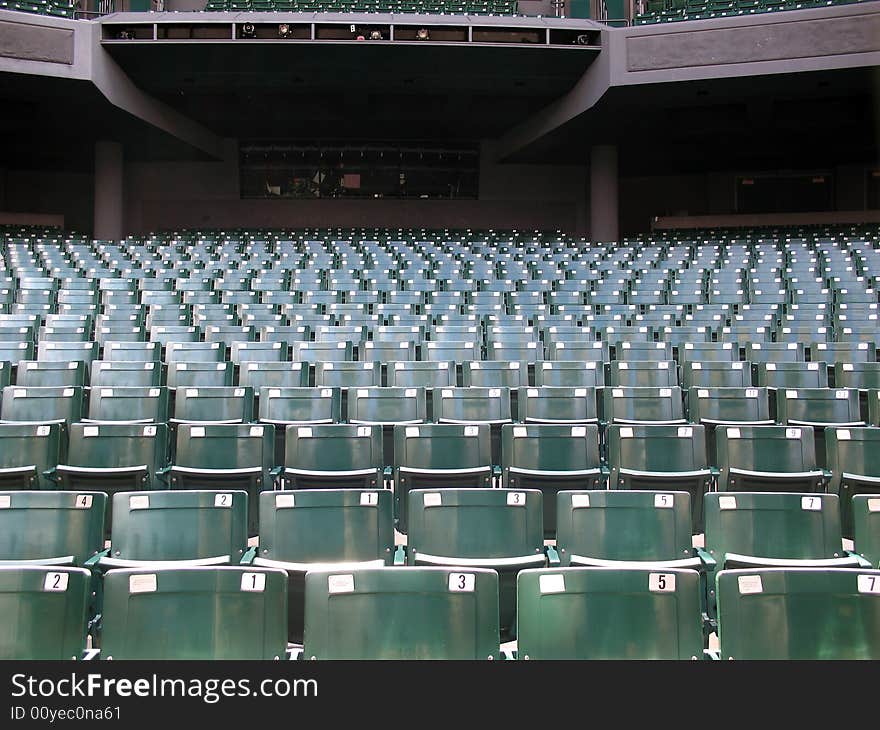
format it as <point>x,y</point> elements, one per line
<point>708,374</point>
<point>318,456</point>
<point>792,375</point>
<point>36,374</point>
<point>853,458</point>
<point>326,525</point>
<point>626,350</point>
<point>772,525</point>
<point>730,405</point>
<point>249,351</point>
<point>641,404</point>
<point>41,405</point>
<point>550,404</point>
<point>569,373</point>
<point>578,351</point>
<point>15,351</point>
<point>497,374</point>
<point>471,405</point>
<point>148,405</point>
<point>873,407</point>
<point>67,352</point>
<point>179,525</point>
<point>866,526</point>
<point>427,455</point>
<point>798,614</point>
<point>421,374</point>
<point>387,405</point>
<point>195,352</point>
<point>550,458</point>
<point>608,613</point>
<point>133,351</point>
<point>315,352</point>
<point>623,525</point>
<point>643,373</point>
<point>46,525</point>
<point>757,352</point>
<point>300,405</point>
<point>126,374</point>
<point>708,352</point>
<point>660,457</point>
<point>837,352</point>
<point>489,525</point>
<point>214,404</point>
<point>195,613</point>
<point>776,451</point>
<point>259,375</point>
<point>225,456</point>
<point>26,452</point>
<point>863,375</point>
<point>40,623</point>
<point>817,406</point>
<point>348,374</point>
<point>200,374</point>
<point>402,613</point>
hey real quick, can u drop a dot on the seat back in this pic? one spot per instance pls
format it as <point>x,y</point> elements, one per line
<point>41,405</point>
<point>500,374</point>
<point>440,374</point>
<point>557,405</point>
<point>472,405</point>
<point>569,373</point>
<point>145,405</point>
<point>853,458</point>
<point>656,448</point>
<point>348,374</point>
<point>132,351</point>
<point>728,405</point>
<point>866,526</point>
<point>231,405</point>
<point>45,610</point>
<point>43,525</point>
<point>818,406</point>
<point>327,525</point>
<point>370,406</point>
<point>200,374</point>
<point>179,525</point>
<point>623,525</point>
<point>300,405</point>
<point>126,374</point>
<point>259,375</point>
<point>606,613</point>
<point>195,613</point>
<point>334,448</point>
<point>119,446</point>
<point>36,374</point>
<point>648,373</point>
<point>635,405</point>
<point>861,375</point>
<point>773,613</point>
<point>417,613</point>
<point>27,451</point>
<point>709,374</point>
<point>792,375</point>
<point>775,525</point>
<point>768,449</point>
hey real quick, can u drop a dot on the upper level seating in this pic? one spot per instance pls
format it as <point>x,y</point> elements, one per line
<point>470,7</point>
<point>666,11</point>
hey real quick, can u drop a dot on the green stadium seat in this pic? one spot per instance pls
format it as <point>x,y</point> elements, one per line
<point>348,374</point>
<point>195,613</point>
<point>226,457</point>
<point>128,405</point>
<point>861,375</point>
<point>37,374</point>
<point>213,405</point>
<point>41,405</point>
<point>550,458</point>
<point>643,373</point>
<point>440,374</point>
<point>660,458</point>
<point>499,529</point>
<point>758,352</point>
<point>207,352</point>
<point>605,613</point>
<point>67,352</point>
<point>200,375</point>
<point>46,610</point>
<point>132,352</point>
<point>416,613</point>
<point>51,527</point>
<point>774,614</point>
<point>835,352</point>
<point>315,352</point>
<point>387,406</point>
<point>557,405</point>
<point>642,405</point>
<point>819,408</point>
<point>791,375</point>
<point>709,374</point>
<point>866,526</point>
<point>708,352</point>
<point>767,458</point>
<point>322,528</point>
<point>568,373</point>
<point>28,453</point>
<point>338,456</point>
<point>439,455</point>
<point>303,406</point>
<point>854,467</point>
<point>127,374</point>
<point>495,374</point>
<point>258,375</point>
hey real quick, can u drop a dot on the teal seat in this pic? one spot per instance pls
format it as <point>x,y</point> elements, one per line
<point>315,352</point>
<point>578,351</point>
<point>322,528</point>
<point>550,458</point>
<point>605,613</point>
<point>259,375</point>
<point>36,374</point>
<point>171,528</point>
<point>709,374</point>
<point>866,526</point>
<point>128,405</point>
<point>643,351</point>
<point>642,405</point>
<point>348,374</point>
<point>294,406</point>
<point>132,352</point>
<point>41,405</point>
<point>644,373</point>
<point>195,352</point>
<point>226,457</point>
<point>249,352</point>
<point>200,375</point>
<point>163,613</point>
<point>862,375</point>
<point>839,352</point>
<point>45,610</point>
<point>413,613</point>
<point>569,373</point>
<point>792,375</point>
<point>440,374</point>
<point>819,408</point>
<point>660,458</point>
<point>51,528</point>
<point>499,529</point>
<point>492,374</point>
<point>386,406</point>
<point>127,374</point>
<point>85,352</point>
<point>213,405</point>
<point>854,465</point>
<point>557,405</point>
<point>28,454</point>
<point>773,613</point>
<point>758,352</point>
<point>338,456</point>
<point>767,458</point>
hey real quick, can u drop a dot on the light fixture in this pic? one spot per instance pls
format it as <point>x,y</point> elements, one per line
<point>248,30</point>
<point>422,34</point>
<point>283,30</point>
<point>375,35</point>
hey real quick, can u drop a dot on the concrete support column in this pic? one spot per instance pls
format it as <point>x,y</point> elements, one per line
<point>109,177</point>
<point>604,216</point>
